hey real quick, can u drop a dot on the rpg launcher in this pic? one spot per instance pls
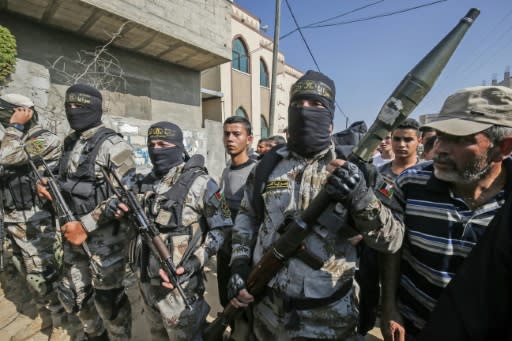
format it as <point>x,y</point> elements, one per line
<point>409,93</point>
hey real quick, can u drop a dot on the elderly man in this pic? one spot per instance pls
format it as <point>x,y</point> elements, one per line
<point>447,204</point>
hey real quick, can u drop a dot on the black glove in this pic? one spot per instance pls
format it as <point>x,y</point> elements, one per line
<point>191,266</point>
<point>370,172</point>
<point>111,208</point>
<point>240,270</point>
<point>347,186</point>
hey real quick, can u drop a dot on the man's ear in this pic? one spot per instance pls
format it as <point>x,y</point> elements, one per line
<point>506,147</point>
<point>250,138</point>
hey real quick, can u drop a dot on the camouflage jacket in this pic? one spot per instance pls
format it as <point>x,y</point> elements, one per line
<point>291,186</point>
<point>12,154</point>
<point>203,200</point>
<point>115,150</point>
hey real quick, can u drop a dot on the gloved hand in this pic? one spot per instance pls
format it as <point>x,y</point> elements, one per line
<point>115,209</point>
<point>370,172</point>
<point>240,270</point>
<point>347,186</point>
<point>191,266</point>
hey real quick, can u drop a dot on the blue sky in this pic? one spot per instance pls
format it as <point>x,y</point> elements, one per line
<point>368,59</point>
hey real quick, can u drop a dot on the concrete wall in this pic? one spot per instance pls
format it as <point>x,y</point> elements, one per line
<point>150,90</point>
<point>147,88</point>
<point>174,18</point>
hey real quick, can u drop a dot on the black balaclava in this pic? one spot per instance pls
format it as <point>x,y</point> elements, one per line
<point>88,114</point>
<point>163,159</point>
<point>309,127</point>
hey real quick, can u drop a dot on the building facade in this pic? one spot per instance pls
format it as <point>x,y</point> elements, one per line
<point>242,86</point>
<point>146,57</point>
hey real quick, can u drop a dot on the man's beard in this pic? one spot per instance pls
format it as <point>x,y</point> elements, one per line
<point>473,172</point>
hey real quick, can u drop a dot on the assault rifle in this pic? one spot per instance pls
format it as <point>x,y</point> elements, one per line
<point>146,228</point>
<point>409,93</point>
<point>59,204</point>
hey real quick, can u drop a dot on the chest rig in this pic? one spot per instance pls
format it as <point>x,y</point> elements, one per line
<point>167,209</point>
<point>18,184</point>
<point>81,189</point>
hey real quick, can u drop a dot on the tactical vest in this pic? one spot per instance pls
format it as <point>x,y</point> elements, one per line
<point>81,189</point>
<point>19,184</point>
<point>368,265</point>
<point>174,201</point>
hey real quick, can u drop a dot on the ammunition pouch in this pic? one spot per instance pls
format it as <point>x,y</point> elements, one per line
<point>83,196</point>
<point>303,253</point>
<point>110,302</point>
<point>291,304</point>
<point>19,190</point>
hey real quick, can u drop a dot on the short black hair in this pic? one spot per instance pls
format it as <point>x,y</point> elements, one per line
<point>409,123</point>
<point>242,120</point>
<point>278,139</point>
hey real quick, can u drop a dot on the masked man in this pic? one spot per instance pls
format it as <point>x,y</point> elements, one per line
<point>92,284</point>
<point>190,212</point>
<point>314,295</point>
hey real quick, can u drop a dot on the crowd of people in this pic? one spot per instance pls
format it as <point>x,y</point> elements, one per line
<point>415,226</point>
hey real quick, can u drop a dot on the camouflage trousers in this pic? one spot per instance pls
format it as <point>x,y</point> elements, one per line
<point>336,321</point>
<point>98,298</point>
<point>167,316</point>
<point>37,254</point>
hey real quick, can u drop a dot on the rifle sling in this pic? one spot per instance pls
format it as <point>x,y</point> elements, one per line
<point>291,303</point>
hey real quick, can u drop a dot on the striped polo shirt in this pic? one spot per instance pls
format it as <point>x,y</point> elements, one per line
<point>441,230</point>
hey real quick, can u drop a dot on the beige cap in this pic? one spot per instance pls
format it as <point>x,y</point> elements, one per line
<point>472,110</point>
<point>17,100</point>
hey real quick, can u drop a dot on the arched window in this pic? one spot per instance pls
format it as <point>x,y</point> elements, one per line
<point>240,112</point>
<point>264,128</point>
<point>239,55</point>
<point>263,74</point>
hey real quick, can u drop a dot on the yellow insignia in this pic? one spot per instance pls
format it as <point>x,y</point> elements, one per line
<point>35,147</point>
<point>276,184</point>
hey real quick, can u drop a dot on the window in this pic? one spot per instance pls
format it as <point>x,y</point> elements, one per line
<point>263,74</point>
<point>240,112</point>
<point>239,55</point>
<point>264,128</point>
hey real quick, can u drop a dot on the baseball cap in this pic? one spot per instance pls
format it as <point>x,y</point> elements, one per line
<point>17,100</point>
<point>472,110</point>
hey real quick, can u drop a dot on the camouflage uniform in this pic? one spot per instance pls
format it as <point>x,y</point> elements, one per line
<point>37,249</point>
<point>204,212</point>
<point>98,298</point>
<point>291,186</point>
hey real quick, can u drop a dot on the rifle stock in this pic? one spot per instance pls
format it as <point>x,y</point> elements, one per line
<point>409,93</point>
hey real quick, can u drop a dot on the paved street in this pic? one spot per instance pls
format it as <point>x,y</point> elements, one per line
<point>18,313</point>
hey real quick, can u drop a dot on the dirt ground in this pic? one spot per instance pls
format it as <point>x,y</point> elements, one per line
<point>18,312</point>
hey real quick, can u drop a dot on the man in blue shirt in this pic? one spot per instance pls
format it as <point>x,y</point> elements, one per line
<point>448,204</point>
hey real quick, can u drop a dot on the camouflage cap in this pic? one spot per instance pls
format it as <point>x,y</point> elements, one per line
<point>472,110</point>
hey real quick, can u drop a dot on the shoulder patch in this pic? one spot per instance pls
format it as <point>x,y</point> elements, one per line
<point>36,146</point>
<point>276,185</point>
<point>386,189</point>
<point>218,201</point>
